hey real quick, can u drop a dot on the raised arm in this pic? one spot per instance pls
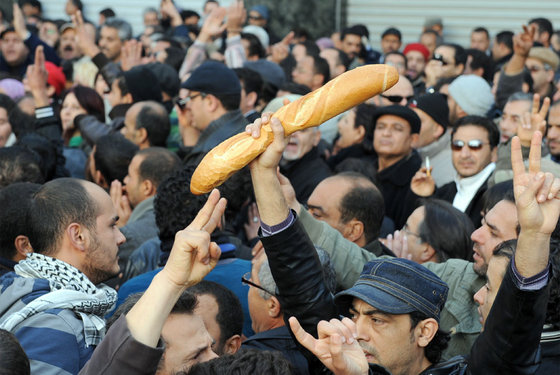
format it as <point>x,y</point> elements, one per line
<point>538,207</point>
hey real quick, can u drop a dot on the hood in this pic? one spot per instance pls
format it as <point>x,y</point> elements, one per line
<point>17,291</point>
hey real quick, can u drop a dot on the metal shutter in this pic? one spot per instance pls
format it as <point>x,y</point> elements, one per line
<point>459,17</point>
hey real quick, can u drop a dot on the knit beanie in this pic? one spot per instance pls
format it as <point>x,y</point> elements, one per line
<point>435,106</point>
<point>473,94</point>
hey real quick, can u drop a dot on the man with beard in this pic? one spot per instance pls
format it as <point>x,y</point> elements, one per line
<point>417,55</point>
<point>54,301</point>
<point>67,46</point>
<point>302,164</point>
<point>474,142</point>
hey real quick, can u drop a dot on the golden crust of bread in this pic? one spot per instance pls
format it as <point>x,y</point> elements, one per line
<point>337,96</point>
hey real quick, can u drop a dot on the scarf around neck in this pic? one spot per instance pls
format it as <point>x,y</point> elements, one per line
<point>71,290</point>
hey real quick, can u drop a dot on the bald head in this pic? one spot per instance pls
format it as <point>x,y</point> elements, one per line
<point>350,203</point>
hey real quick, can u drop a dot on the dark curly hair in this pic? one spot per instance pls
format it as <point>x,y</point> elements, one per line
<point>245,362</point>
<point>175,206</point>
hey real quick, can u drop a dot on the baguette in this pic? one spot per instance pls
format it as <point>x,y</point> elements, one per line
<point>337,96</point>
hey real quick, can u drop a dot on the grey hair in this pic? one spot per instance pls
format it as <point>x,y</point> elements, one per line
<point>267,281</point>
<point>149,10</point>
<point>521,96</point>
<point>123,27</point>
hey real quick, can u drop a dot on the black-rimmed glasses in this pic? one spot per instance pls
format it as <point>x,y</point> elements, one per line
<point>182,102</point>
<point>246,279</point>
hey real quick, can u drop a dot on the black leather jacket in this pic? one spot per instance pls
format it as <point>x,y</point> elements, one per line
<point>508,345</point>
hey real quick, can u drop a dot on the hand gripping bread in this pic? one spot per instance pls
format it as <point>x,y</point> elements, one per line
<point>338,95</point>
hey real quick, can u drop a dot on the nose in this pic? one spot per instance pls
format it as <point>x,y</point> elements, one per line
<point>479,296</point>
<point>465,151</point>
<point>209,355</point>
<point>478,235</point>
<point>121,238</point>
<point>362,334</point>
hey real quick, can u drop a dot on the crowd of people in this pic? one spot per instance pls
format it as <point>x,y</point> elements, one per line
<point>416,233</point>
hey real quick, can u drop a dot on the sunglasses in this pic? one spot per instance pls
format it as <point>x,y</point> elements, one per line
<point>256,18</point>
<point>246,279</point>
<point>439,58</point>
<point>473,144</point>
<point>397,98</point>
<point>182,102</point>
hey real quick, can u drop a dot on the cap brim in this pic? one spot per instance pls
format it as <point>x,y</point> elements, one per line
<point>374,296</point>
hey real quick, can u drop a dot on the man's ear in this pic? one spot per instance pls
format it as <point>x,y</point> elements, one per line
<point>316,136</point>
<point>414,138</point>
<point>274,309</point>
<point>232,345</point>
<point>127,99</point>
<point>77,236</point>
<point>494,154</point>
<point>23,247</point>
<point>100,180</point>
<point>141,137</point>
<point>252,99</point>
<point>50,91</point>
<point>148,188</point>
<point>353,230</point>
<point>428,254</point>
<point>425,331</point>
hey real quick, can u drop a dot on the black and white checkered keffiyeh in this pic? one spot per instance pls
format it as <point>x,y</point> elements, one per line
<point>70,289</point>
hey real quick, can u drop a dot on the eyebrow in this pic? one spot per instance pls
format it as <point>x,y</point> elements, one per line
<point>493,227</point>
<point>312,207</point>
<point>370,312</point>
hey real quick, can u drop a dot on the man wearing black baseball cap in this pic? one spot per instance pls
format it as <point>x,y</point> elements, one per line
<point>434,140</point>
<point>396,130</point>
<point>213,100</point>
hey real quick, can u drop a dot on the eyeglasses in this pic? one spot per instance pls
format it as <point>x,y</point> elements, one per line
<point>408,232</point>
<point>182,102</point>
<point>246,279</point>
<point>473,144</point>
<point>397,98</point>
<point>255,18</point>
<point>439,58</point>
<point>536,68</point>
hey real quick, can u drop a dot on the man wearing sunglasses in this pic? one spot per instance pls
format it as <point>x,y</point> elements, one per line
<point>400,94</point>
<point>448,61</point>
<point>474,142</point>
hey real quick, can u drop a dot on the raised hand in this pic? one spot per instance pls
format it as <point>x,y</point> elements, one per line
<point>121,203</point>
<point>213,26</point>
<point>533,121</point>
<point>281,50</point>
<point>19,21</point>
<point>131,54</point>
<point>422,183</point>
<point>270,158</point>
<point>84,38</point>
<point>168,8</point>
<point>253,222</point>
<point>523,42</point>
<point>398,244</point>
<point>336,347</point>
<point>236,16</point>
<point>536,193</point>
<point>193,255</point>
<point>36,79</point>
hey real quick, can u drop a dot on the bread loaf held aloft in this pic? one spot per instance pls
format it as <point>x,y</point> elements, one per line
<point>336,96</point>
